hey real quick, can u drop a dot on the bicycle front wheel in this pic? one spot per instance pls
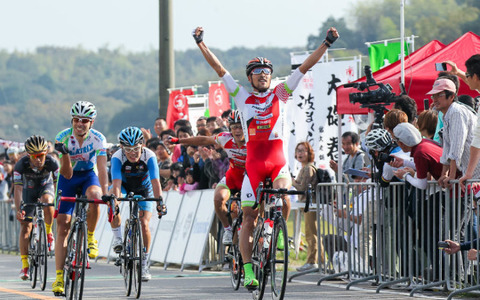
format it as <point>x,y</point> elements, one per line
<point>137,258</point>
<point>42,253</point>
<point>127,264</point>
<point>259,260</point>
<point>279,259</point>
<point>78,264</point>
<point>32,257</point>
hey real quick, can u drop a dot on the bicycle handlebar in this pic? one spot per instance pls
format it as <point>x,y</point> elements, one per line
<point>161,208</point>
<point>111,203</point>
<point>23,205</point>
<point>307,193</point>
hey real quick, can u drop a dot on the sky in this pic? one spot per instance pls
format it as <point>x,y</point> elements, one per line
<point>133,24</point>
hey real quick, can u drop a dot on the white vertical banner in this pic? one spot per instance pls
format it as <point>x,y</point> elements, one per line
<point>314,115</point>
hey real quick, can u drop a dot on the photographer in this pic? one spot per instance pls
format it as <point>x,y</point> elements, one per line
<point>355,156</point>
<point>395,206</point>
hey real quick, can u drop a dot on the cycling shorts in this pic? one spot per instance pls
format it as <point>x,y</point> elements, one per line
<point>233,179</point>
<point>32,195</point>
<point>80,181</point>
<point>264,160</point>
<point>143,205</point>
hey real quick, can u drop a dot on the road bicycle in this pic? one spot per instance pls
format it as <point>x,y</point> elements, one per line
<point>76,260</point>
<point>234,256</point>
<point>131,257</point>
<point>269,257</point>
<point>37,245</point>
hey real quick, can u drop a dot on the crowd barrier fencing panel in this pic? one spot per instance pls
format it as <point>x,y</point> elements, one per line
<point>197,243</point>
<point>183,227</point>
<point>160,245</point>
<point>103,233</point>
<point>155,224</point>
<point>10,228</point>
<point>3,225</point>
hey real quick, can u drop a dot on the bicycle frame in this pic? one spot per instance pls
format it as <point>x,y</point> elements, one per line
<point>38,249</point>
<point>130,259</point>
<point>76,257</point>
<point>265,240</point>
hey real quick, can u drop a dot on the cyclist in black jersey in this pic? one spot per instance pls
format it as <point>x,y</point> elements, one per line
<point>34,177</point>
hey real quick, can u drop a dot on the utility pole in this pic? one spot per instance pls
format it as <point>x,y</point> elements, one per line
<point>166,78</point>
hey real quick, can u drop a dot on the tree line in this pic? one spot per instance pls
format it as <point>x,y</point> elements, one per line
<point>37,89</point>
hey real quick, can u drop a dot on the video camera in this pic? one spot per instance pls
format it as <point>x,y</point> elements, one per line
<point>382,95</point>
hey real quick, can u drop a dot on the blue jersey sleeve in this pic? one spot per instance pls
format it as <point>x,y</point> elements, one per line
<point>153,168</point>
<point>116,168</point>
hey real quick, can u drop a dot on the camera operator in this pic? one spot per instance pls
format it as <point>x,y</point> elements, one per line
<point>396,205</point>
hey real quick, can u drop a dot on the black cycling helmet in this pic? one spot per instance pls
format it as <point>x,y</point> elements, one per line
<point>258,62</point>
<point>36,144</point>
<point>378,139</point>
<point>234,117</point>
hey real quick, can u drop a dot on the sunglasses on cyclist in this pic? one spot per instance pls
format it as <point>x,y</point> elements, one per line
<point>232,127</point>
<point>82,120</point>
<point>258,71</point>
<point>38,155</point>
<point>132,149</point>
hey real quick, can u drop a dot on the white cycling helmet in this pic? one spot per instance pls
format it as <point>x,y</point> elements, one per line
<point>83,109</point>
<point>378,139</point>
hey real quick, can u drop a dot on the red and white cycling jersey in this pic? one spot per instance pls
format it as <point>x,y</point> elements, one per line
<point>263,117</point>
<point>236,155</point>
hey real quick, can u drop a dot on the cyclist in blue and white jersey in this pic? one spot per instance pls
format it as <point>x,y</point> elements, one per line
<point>134,169</point>
<point>82,150</point>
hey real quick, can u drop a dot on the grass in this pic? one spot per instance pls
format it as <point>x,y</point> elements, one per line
<point>295,261</point>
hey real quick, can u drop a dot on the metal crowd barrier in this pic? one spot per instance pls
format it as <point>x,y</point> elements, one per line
<point>9,228</point>
<point>389,236</point>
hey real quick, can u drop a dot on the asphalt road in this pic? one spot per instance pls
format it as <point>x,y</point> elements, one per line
<point>104,281</point>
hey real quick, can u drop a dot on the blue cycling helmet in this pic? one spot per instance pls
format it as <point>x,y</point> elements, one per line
<point>130,136</point>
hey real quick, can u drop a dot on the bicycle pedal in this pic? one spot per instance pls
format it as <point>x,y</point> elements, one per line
<point>118,262</point>
<point>58,294</point>
<point>252,288</point>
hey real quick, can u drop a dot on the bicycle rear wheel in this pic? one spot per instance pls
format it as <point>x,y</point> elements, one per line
<point>32,257</point>
<point>137,253</point>
<point>42,255</point>
<point>279,259</point>
<point>235,260</point>
<point>78,264</point>
<point>127,264</point>
<point>259,260</point>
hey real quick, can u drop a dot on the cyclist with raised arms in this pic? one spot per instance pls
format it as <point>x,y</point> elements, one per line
<point>234,144</point>
<point>263,122</point>
<point>81,148</point>
<point>134,169</point>
<point>34,178</point>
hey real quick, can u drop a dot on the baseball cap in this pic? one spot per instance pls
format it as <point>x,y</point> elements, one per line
<point>407,134</point>
<point>441,85</point>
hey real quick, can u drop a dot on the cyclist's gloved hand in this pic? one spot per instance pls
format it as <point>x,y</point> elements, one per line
<point>60,147</point>
<point>173,140</point>
<point>197,34</point>
<point>161,209</point>
<point>332,36</point>
<point>107,198</point>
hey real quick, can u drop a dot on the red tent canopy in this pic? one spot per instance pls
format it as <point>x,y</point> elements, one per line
<point>392,73</point>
